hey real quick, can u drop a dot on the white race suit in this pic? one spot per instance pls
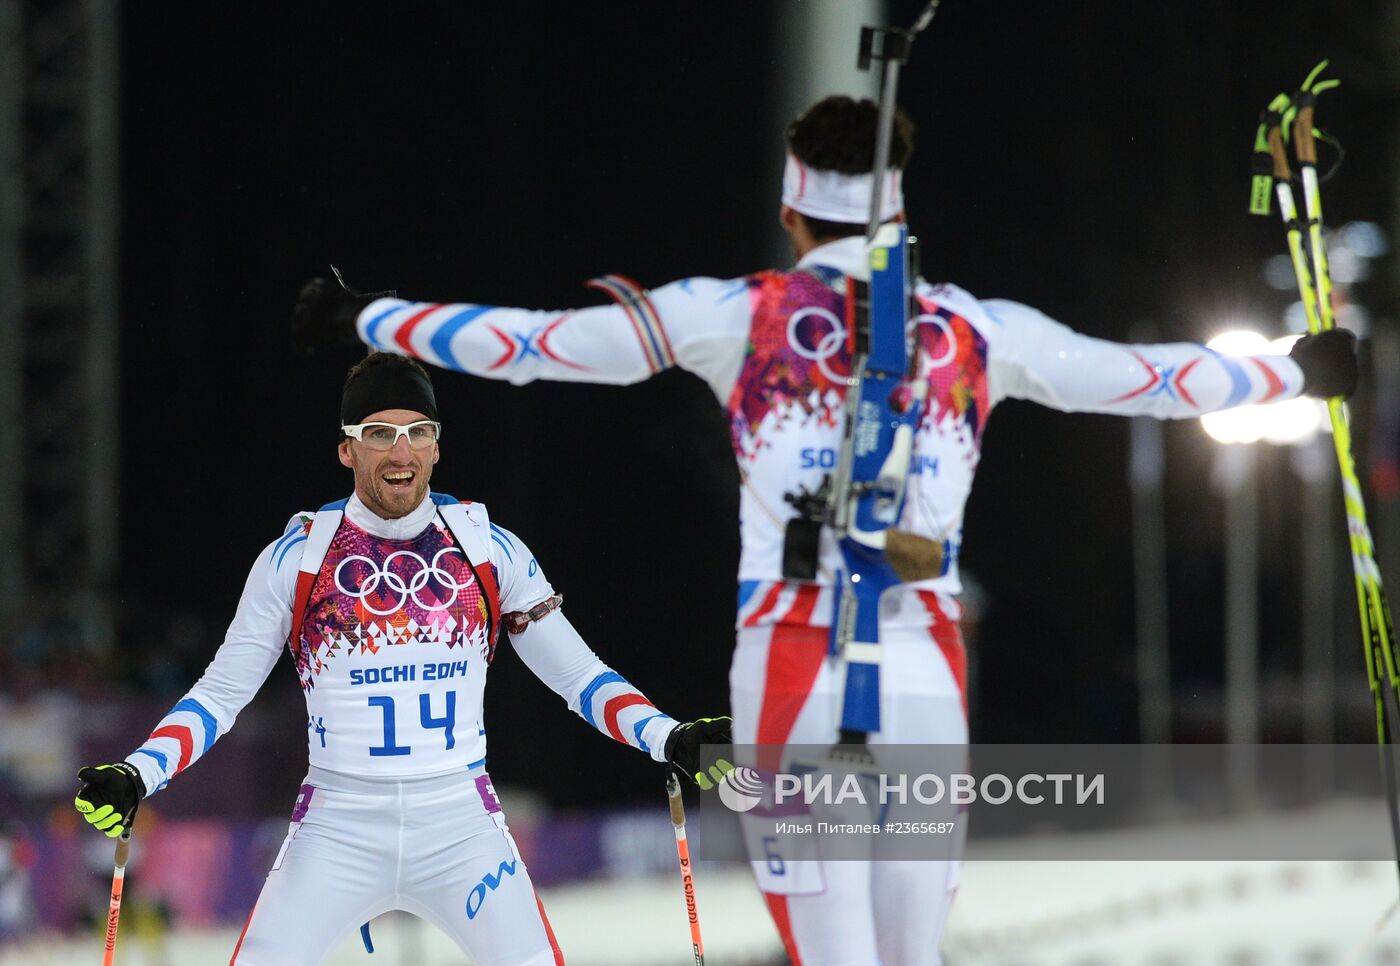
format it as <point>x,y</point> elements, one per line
<point>773,346</point>
<point>397,811</point>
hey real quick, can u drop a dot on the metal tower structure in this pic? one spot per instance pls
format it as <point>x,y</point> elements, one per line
<point>59,210</point>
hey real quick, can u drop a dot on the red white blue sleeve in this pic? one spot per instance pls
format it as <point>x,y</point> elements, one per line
<point>1031,356</point>
<point>699,324</point>
<point>250,649</point>
<point>556,654</point>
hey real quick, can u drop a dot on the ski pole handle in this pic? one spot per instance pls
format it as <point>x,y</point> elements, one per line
<point>1280,154</point>
<point>114,909</point>
<point>673,792</point>
<point>1304,143</point>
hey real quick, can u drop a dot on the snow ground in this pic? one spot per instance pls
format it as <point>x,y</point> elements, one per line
<point>1008,913</point>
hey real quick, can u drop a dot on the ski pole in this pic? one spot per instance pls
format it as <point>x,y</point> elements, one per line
<point>1315,289</point>
<point>673,792</point>
<point>1374,609</point>
<point>1368,572</point>
<point>114,910</point>
<point>1376,620</point>
<point>1378,660</point>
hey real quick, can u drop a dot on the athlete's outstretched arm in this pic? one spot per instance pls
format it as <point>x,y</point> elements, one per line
<point>558,656</point>
<point>700,324</point>
<point>1034,357</point>
<point>240,666</point>
<point>111,793</point>
<point>554,651</point>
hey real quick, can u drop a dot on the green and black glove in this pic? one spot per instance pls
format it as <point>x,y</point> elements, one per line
<point>110,795</point>
<point>683,750</point>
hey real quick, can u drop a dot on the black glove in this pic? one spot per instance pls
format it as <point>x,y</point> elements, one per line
<point>683,750</point>
<point>325,314</point>
<point>1328,361</point>
<point>109,796</point>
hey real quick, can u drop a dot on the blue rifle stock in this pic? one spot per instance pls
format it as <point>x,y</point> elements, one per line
<point>883,410</point>
<point>884,403</point>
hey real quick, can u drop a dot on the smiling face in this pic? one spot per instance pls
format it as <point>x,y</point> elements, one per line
<point>393,482</point>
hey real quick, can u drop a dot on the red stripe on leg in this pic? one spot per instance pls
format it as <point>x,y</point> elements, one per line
<point>802,607</point>
<point>770,601</point>
<point>234,958</point>
<point>948,637</point>
<point>181,734</point>
<point>615,706</point>
<point>778,909</point>
<point>795,655</point>
<point>549,931</point>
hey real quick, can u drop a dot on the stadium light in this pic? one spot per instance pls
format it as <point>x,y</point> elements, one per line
<point>1291,422</point>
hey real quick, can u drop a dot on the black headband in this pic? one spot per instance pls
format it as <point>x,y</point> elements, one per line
<point>392,384</point>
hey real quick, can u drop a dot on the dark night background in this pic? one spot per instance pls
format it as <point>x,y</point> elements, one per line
<point>1087,158</point>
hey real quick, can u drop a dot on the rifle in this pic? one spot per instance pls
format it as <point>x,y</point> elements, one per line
<point>884,403</point>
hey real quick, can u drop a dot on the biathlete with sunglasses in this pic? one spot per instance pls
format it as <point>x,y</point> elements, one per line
<point>392,603</point>
<point>774,348</point>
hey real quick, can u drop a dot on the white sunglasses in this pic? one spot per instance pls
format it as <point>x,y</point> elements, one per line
<point>383,436</point>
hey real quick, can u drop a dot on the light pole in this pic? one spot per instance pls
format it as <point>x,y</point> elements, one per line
<point>1287,423</point>
<point>1315,467</point>
<point>1146,482</point>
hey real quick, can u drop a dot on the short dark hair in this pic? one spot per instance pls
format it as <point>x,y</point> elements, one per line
<point>838,134</point>
<point>385,358</point>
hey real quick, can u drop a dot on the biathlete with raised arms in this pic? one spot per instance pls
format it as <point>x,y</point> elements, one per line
<point>392,603</point>
<point>773,346</point>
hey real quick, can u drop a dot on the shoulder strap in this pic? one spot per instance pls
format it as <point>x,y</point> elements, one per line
<point>318,543</point>
<point>467,530</point>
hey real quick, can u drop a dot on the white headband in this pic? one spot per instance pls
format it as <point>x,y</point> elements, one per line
<point>833,196</point>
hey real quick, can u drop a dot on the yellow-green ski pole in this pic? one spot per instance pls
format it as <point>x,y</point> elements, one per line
<point>1272,127</point>
<point>1315,290</point>
<point>1368,572</point>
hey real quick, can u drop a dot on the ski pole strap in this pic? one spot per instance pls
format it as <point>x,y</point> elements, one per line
<point>1269,161</point>
<point>1261,186</point>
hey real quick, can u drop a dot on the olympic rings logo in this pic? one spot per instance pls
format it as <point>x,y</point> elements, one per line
<point>832,342</point>
<point>942,325</point>
<point>406,590</point>
<point>826,347</point>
